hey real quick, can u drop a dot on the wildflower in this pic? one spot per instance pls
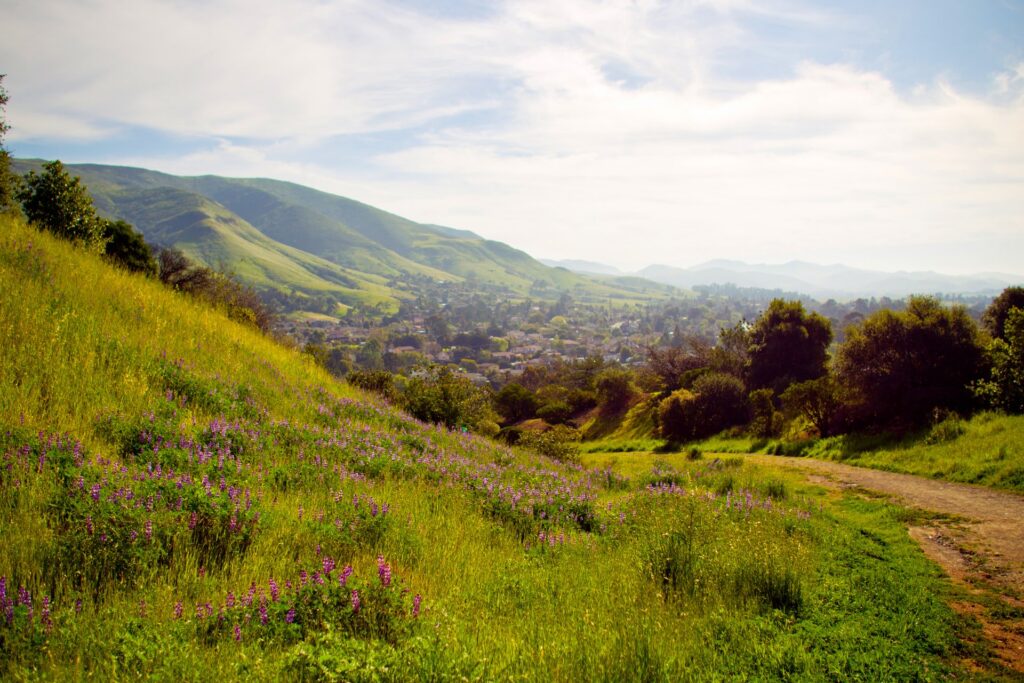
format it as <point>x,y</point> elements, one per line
<point>328,565</point>
<point>345,573</point>
<point>355,601</point>
<point>45,616</point>
<point>88,525</point>
<point>78,606</point>
<point>384,571</point>
<point>238,633</point>
<point>264,617</point>
<point>417,599</point>
<point>178,608</point>
<point>290,616</point>
<point>273,590</point>
<point>230,601</point>
<point>149,529</point>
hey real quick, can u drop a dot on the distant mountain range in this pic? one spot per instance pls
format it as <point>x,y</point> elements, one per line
<point>817,281</point>
<point>305,243</point>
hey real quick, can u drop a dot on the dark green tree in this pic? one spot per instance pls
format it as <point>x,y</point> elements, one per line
<point>515,402</point>
<point>903,366</point>
<point>819,400</point>
<point>56,201</point>
<point>998,311</point>
<point>787,345</point>
<point>8,179</point>
<point>614,389</point>
<point>126,247</point>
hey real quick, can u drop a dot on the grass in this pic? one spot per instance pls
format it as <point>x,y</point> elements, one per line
<point>987,449</point>
<point>182,499</point>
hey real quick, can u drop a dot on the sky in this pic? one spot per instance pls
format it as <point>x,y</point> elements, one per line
<point>879,134</point>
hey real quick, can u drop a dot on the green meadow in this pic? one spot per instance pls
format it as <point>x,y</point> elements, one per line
<point>184,499</point>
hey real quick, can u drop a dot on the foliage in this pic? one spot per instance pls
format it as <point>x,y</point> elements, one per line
<point>721,402</point>
<point>8,179</point>
<point>765,420</point>
<point>676,366</point>
<point>515,403</point>
<point>677,416</point>
<point>819,400</point>
<point>614,389</point>
<point>220,288</point>
<point>787,345</point>
<point>380,382</point>
<point>560,442</point>
<point>998,312</point>
<point>57,202</point>
<point>1004,388</point>
<point>904,365</point>
<point>126,247</point>
<point>555,412</point>
<point>437,394</point>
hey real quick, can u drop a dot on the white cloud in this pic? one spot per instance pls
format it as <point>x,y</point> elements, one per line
<point>601,130</point>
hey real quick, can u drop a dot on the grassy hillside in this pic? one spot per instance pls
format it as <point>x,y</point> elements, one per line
<point>287,237</point>
<point>183,499</point>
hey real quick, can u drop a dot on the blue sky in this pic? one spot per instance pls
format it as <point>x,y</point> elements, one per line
<point>880,134</point>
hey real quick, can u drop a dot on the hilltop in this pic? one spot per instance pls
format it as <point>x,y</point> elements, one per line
<point>305,246</point>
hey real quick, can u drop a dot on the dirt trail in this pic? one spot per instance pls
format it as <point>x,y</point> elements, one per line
<point>977,537</point>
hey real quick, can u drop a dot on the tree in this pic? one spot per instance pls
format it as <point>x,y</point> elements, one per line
<point>515,402</point>
<point>677,366</point>
<point>438,395</point>
<point>787,345</point>
<point>8,179</point>
<point>904,365</point>
<point>999,310</point>
<point>1004,389</point>
<point>127,247</point>
<point>58,202</point>
<point>717,402</point>
<point>819,400</point>
<point>614,389</point>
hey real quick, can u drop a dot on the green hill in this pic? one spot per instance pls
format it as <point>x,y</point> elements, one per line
<point>183,499</point>
<point>286,237</point>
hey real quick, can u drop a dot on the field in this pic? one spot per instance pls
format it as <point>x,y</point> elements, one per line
<point>183,499</point>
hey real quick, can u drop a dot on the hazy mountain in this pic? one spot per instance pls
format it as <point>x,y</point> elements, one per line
<point>294,239</point>
<point>587,267</point>
<point>834,281</point>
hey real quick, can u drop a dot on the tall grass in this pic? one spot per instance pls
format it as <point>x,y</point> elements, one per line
<point>181,498</point>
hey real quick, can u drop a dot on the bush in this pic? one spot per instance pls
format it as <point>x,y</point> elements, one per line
<point>559,443</point>
<point>555,413</point>
<point>437,394</point>
<point>380,382</point>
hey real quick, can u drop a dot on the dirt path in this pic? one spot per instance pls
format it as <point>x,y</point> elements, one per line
<point>975,534</point>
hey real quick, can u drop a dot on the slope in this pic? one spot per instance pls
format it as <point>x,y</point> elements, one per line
<point>183,499</point>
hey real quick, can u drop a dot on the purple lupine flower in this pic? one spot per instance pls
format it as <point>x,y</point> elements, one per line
<point>264,617</point>
<point>230,600</point>
<point>290,616</point>
<point>273,590</point>
<point>88,525</point>
<point>345,573</point>
<point>383,571</point>
<point>192,520</point>
<point>355,601</point>
<point>416,600</point>
<point>328,565</point>
<point>238,633</point>
<point>44,617</point>
<point>200,613</point>
<point>95,492</point>
<point>178,608</point>
<point>3,589</point>
<point>303,577</point>
<point>78,606</point>
<point>148,530</point>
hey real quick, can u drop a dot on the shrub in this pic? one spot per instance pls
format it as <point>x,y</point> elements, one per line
<point>559,443</point>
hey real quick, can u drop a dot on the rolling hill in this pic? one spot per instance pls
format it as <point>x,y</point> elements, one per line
<point>306,243</point>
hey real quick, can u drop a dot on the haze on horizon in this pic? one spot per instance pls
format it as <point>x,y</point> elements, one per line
<point>880,135</point>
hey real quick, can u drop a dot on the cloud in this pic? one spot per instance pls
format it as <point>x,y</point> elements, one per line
<point>599,130</point>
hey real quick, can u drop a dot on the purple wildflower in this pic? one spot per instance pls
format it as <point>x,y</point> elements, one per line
<point>178,608</point>
<point>230,601</point>
<point>355,601</point>
<point>148,529</point>
<point>345,573</point>
<point>264,617</point>
<point>416,600</point>
<point>273,590</point>
<point>238,633</point>
<point>384,571</point>
<point>328,565</point>
<point>290,616</point>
